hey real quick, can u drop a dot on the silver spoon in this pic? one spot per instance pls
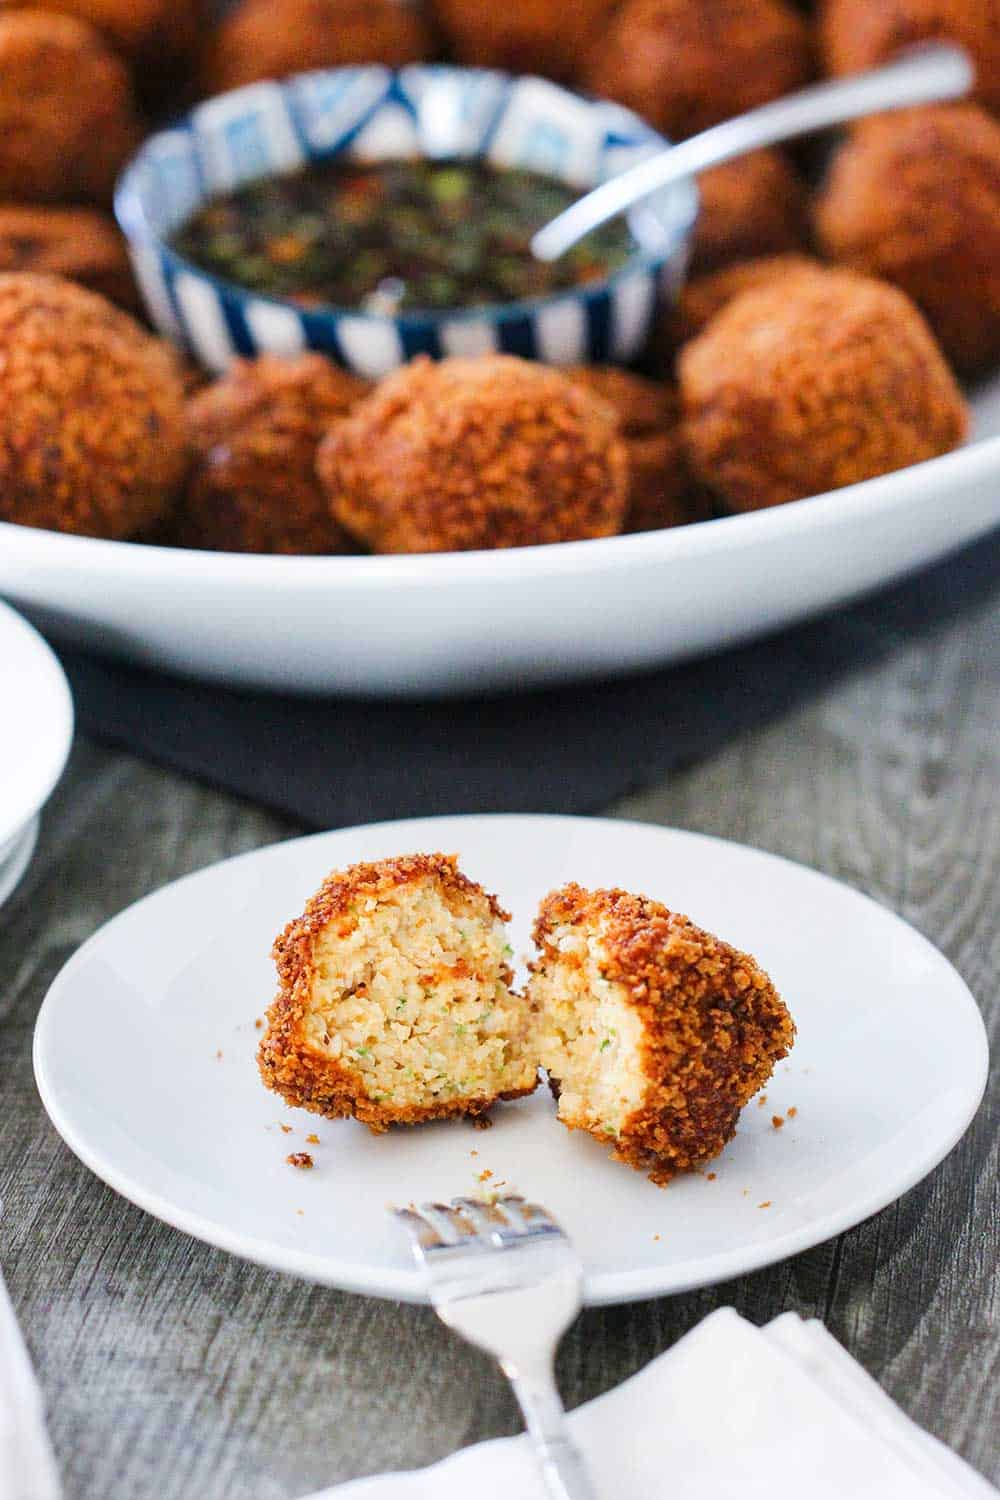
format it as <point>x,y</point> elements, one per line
<point>924,76</point>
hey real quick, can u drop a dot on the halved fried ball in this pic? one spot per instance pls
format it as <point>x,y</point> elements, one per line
<point>67,114</point>
<point>395,1002</point>
<point>523,36</point>
<point>704,296</point>
<point>92,433</point>
<point>476,453</point>
<point>661,492</point>
<point>749,207</point>
<point>272,38</point>
<point>82,244</point>
<point>654,1033</point>
<point>796,389</point>
<point>684,67</point>
<point>860,34</point>
<point>915,197</point>
<point>253,484</point>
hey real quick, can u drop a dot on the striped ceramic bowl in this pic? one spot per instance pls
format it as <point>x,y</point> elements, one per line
<point>370,113</point>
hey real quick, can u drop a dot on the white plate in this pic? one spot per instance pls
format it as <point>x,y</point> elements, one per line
<point>144,1057</point>
<point>17,859</point>
<point>36,712</point>
<point>484,620</point>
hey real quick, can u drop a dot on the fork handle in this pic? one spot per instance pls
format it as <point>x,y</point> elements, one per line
<point>559,1460</point>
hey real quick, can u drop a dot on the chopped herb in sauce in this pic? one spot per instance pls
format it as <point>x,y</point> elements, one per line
<point>396,236</point>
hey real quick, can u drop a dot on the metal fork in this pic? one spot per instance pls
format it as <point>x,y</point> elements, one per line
<point>505,1276</point>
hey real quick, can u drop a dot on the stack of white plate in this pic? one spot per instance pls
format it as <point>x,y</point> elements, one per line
<point>36,715</point>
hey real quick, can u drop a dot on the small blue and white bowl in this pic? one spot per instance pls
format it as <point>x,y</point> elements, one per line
<point>369,113</point>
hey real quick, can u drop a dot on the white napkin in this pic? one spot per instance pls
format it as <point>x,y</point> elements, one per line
<point>731,1412</point>
<point>27,1468</point>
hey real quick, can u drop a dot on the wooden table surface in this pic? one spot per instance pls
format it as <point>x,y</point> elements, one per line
<point>172,1370</point>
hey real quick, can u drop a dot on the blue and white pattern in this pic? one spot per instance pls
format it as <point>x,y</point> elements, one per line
<point>372,113</point>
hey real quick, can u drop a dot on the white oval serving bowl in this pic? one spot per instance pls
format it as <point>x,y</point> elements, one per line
<point>475,621</point>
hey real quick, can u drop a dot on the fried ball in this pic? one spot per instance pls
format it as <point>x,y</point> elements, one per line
<point>750,207</point>
<point>253,484</point>
<point>92,436</point>
<point>661,491</point>
<point>796,389</point>
<point>524,36</point>
<point>272,38</point>
<point>858,34</point>
<point>654,1033</point>
<point>144,31</point>
<point>684,67</point>
<point>394,1002</point>
<point>915,197</point>
<point>476,453</point>
<point>82,244</point>
<point>67,116</point>
<point>704,296</point>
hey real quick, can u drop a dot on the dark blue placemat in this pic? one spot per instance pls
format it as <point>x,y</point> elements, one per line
<point>575,749</point>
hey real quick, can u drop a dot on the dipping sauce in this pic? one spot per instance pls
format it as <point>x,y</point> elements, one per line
<point>396,236</point>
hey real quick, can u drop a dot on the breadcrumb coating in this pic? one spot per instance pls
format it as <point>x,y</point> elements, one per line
<point>703,296</point>
<point>142,30</point>
<point>753,206</point>
<point>654,1033</point>
<point>251,390</point>
<point>661,490</point>
<point>642,406</point>
<point>394,1000</point>
<point>684,67</point>
<point>522,36</point>
<point>273,38</point>
<point>476,453</point>
<point>915,197</point>
<point>859,34</point>
<point>793,390</point>
<point>92,433</point>
<point>67,115</point>
<point>82,244</point>
<point>253,485</point>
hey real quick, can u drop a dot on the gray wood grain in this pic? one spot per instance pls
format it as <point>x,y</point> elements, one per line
<point>171,1369</point>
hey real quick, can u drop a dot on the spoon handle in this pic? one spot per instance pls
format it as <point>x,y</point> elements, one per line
<point>924,76</point>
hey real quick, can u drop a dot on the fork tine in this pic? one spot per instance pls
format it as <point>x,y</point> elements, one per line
<point>451,1224</point>
<point>423,1235</point>
<point>535,1216</point>
<point>486,1218</point>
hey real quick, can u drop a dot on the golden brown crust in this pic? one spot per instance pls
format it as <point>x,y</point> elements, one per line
<point>750,207</point>
<point>474,453</point>
<point>67,115</point>
<point>661,490</point>
<point>82,244</point>
<point>310,1080</point>
<point>253,486</point>
<point>915,197</point>
<point>704,296</point>
<point>251,390</point>
<point>92,434</point>
<point>684,67</point>
<point>642,406</point>
<point>522,36</point>
<point>273,38</point>
<point>713,1023</point>
<point>859,34</point>
<point>795,390</point>
<point>143,30</point>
